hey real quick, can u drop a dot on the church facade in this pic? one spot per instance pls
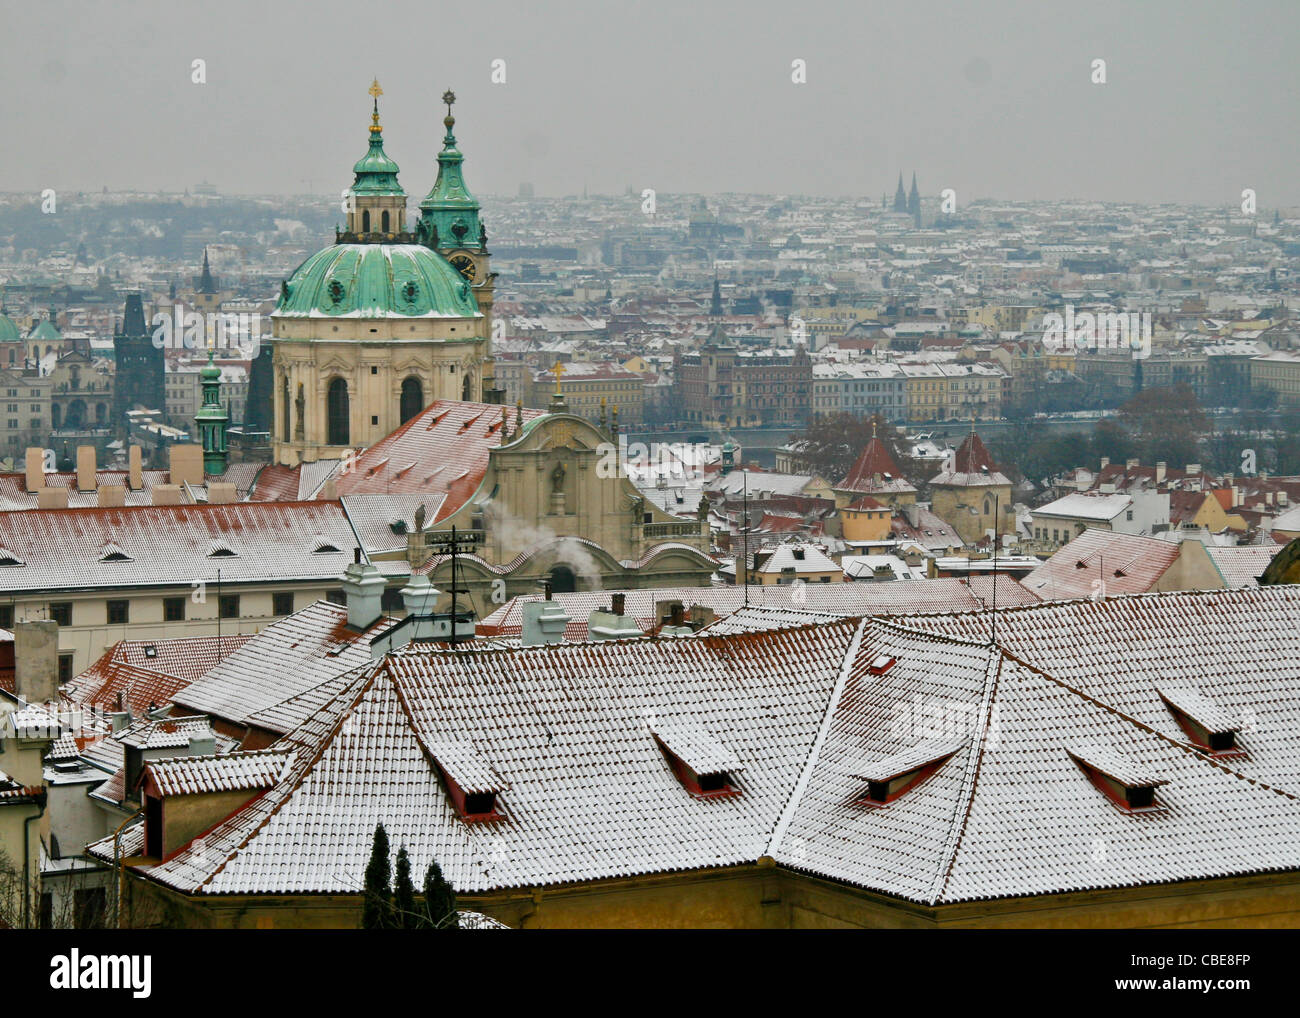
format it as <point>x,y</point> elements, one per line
<point>388,319</point>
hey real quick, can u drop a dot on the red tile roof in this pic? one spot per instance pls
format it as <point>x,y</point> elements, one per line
<point>874,471</point>
<point>443,450</point>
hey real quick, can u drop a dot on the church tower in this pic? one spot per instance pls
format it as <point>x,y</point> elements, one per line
<point>139,380</point>
<point>914,200</point>
<point>371,330</point>
<point>212,419</point>
<point>900,196</point>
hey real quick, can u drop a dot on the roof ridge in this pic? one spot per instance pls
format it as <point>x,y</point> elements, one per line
<point>814,752</point>
<point>1186,747</point>
<point>957,829</point>
<point>301,767</point>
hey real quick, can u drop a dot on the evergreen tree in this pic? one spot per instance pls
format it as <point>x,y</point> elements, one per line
<point>440,900</point>
<point>406,917</point>
<point>377,909</point>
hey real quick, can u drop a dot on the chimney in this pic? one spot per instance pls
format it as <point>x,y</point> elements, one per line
<point>544,622</point>
<point>1105,462</point>
<point>185,464</point>
<point>616,602</point>
<point>1160,472</point>
<point>35,479</point>
<point>52,498</point>
<point>1282,498</point>
<point>120,719</point>
<point>203,745</point>
<point>166,494</point>
<point>1193,468</point>
<point>329,491</point>
<point>36,660</point>
<point>364,587</point>
<point>702,615</point>
<point>221,493</point>
<point>111,496</point>
<point>135,468</point>
<point>419,596</point>
<point>1130,464</point>
<point>85,468</point>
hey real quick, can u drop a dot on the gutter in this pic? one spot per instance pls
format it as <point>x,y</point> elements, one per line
<point>40,799</point>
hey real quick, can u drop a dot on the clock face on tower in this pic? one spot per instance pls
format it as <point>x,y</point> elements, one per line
<point>463,264</point>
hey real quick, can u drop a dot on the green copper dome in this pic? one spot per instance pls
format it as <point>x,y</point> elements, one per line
<point>45,330</point>
<point>8,330</point>
<point>376,281</point>
<point>376,172</point>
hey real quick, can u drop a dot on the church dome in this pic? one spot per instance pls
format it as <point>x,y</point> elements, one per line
<point>376,281</point>
<point>8,330</point>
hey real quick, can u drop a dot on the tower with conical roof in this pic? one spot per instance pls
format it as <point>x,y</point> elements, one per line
<point>207,296</point>
<point>874,473</point>
<point>376,203</point>
<point>971,494</point>
<point>212,419</point>
<point>715,307</point>
<point>900,196</point>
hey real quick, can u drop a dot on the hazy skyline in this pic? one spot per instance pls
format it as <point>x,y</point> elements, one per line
<point>993,100</point>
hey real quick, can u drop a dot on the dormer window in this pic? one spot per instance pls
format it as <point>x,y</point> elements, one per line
<point>703,765</point>
<point>1206,723</point>
<point>1126,783</point>
<point>220,549</point>
<point>323,547</point>
<point>8,558</point>
<point>898,773</point>
<point>471,782</point>
<point>111,552</point>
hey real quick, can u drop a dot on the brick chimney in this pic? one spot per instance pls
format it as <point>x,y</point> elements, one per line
<point>52,498</point>
<point>111,496</point>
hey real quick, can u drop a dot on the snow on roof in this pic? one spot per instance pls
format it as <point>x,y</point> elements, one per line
<point>283,662</point>
<point>911,759</point>
<point>172,545</point>
<point>1241,565</point>
<point>194,775</point>
<point>1124,563</point>
<point>1114,765</point>
<point>1086,507</point>
<point>690,742</point>
<point>1190,701</point>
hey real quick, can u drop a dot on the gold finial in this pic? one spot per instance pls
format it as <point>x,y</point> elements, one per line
<point>448,97</point>
<point>873,427</point>
<point>375,91</point>
<point>559,370</point>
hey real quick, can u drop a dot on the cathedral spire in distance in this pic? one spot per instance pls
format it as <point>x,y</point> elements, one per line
<point>914,201</point>
<point>900,196</point>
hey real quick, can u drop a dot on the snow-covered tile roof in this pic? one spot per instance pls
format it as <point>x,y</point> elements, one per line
<point>193,775</point>
<point>691,743</point>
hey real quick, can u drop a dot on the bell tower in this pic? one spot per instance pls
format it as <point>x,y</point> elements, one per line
<point>376,203</point>
<point>450,224</point>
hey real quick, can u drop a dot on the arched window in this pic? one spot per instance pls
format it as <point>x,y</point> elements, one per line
<point>337,413</point>
<point>988,505</point>
<point>284,408</point>
<point>365,221</point>
<point>384,220</point>
<point>465,392</point>
<point>56,412</point>
<point>101,414</point>
<point>11,357</point>
<point>563,580</point>
<point>412,398</point>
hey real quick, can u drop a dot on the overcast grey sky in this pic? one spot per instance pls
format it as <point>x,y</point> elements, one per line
<point>992,97</point>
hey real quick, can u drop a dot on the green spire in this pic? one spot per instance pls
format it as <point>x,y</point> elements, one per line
<point>376,173</point>
<point>449,213</point>
<point>212,419</point>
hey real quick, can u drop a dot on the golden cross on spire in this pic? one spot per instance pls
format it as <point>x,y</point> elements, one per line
<point>375,91</point>
<point>559,370</point>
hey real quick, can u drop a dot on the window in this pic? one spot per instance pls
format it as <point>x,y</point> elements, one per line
<point>61,612</point>
<point>336,597</point>
<point>1121,780</point>
<point>412,401</point>
<point>337,413</point>
<point>229,606</point>
<point>6,616</point>
<point>65,668</point>
<point>173,609</point>
<point>119,612</point>
<point>282,603</point>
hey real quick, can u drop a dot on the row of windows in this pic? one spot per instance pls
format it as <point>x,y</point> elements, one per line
<point>119,609</point>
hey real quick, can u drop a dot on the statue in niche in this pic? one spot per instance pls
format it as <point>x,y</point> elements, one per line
<point>557,479</point>
<point>702,510</point>
<point>301,404</point>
